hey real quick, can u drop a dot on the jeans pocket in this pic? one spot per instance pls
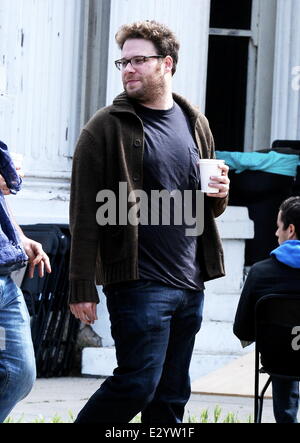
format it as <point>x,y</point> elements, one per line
<point>2,287</point>
<point>127,286</point>
<point>138,284</point>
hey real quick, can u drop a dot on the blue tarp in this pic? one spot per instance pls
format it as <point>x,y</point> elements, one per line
<point>273,162</point>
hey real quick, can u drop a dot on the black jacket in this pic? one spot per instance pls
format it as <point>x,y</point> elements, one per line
<point>266,277</point>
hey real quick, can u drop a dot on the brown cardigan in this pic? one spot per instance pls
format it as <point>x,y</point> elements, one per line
<point>109,151</point>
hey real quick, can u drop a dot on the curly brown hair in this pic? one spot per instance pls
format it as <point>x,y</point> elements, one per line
<point>162,37</point>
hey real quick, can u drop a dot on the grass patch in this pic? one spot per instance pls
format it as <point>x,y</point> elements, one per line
<point>205,417</point>
<point>40,419</point>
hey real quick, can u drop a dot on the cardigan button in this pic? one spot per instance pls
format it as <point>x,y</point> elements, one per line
<point>138,143</point>
<point>136,177</point>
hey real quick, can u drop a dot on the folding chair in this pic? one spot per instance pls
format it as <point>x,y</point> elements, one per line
<point>294,144</point>
<point>277,342</point>
<point>290,147</point>
<point>54,330</point>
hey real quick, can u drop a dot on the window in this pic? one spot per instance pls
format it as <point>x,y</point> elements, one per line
<point>228,71</point>
<point>231,14</point>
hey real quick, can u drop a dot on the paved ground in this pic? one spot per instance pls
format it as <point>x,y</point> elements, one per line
<point>228,389</point>
<point>64,397</point>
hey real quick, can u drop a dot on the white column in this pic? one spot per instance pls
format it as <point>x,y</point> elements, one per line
<point>189,20</point>
<point>286,98</point>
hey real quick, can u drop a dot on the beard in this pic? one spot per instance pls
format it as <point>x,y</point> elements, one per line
<point>150,90</point>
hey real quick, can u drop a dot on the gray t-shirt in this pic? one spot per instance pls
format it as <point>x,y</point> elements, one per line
<point>166,254</point>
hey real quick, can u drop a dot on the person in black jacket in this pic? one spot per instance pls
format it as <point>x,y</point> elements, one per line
<point>278,274</point>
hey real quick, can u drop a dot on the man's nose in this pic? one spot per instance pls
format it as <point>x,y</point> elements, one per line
<point>129,68</point>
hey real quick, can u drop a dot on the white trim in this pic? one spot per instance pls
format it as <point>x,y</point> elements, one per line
<point>286,99</point>
<point>264,75</point>
<point>230,32</point>
<point>250,99</point>
<point>95,29</point>
<point>251,79</point>
<point>41,200</point>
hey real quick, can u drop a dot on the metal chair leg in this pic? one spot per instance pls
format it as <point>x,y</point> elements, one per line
<point>261,400</point>
<point>256,388</point>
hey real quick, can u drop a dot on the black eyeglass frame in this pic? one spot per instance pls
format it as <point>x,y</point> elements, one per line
<point>119,62</point>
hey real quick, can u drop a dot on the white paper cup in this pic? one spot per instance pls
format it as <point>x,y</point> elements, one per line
<point>17,159</point>
<point>209,168</point>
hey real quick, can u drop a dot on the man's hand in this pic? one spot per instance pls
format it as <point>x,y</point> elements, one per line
<point>3,187</point>
<point>85,312</point>
<point>34,250</point>
<point>36,255</point>
<point>221,183</point>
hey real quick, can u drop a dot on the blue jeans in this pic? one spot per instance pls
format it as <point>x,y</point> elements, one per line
<point>285,400</point>
<point>17,362</point>
<point>154,328</point>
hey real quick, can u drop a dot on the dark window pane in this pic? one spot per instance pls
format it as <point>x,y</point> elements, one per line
<point>227,91</point>
<point>231,14</point>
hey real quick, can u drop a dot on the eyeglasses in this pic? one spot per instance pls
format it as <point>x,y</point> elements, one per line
<point>135,62</point>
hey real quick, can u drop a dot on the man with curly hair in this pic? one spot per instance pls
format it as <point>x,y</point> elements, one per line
<point>152,274</point>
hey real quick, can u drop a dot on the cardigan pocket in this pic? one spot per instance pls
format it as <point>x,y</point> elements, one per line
<point>114,244</point>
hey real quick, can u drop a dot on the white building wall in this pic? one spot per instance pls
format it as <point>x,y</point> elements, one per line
<point>39,117</point>
<point>189,20</point>
<point>286,93</point>
<point>39,50</point>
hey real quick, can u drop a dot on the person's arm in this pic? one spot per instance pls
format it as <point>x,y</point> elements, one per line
<point>85,184</point>
<point>244,323</point>
<point>34,250</point>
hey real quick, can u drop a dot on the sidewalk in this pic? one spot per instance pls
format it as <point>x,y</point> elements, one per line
<point>236,379</point>
<point>230,388</point>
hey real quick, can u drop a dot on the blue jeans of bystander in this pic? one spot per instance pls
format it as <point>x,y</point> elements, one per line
<point>285,400</point>
<point>17,362</point>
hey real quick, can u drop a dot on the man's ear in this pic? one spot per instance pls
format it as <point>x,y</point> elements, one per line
<point>168,63</point>
<point>292,232</point>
